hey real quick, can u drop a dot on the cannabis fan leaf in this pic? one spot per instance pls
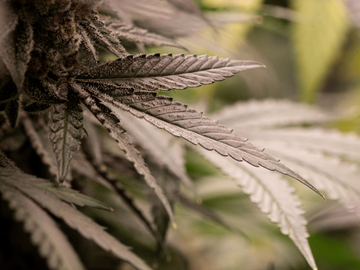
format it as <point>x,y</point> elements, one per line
<point>54,79</point>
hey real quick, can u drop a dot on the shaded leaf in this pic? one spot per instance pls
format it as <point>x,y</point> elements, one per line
<point>159,146</point>
<point>15,49</point>
<point>40,142</point>
<point>100,174</point>
<point>102,36</point>
<point>190,7</point>
<point>274,198</point>
<point>24,182</point>
<point>159,17</point>
<point>87,43</point>
<point>103,114</point>
<point>8,89</point>
<point>35,107</point>
<point>66,133</point>
<point>41,90</point>
<point>164,72</point>
<point>131,33</point>
<point>92,143</point>
<point>74,219</point>
<point>12,111</point>
<point>207,213</point>
<point>5,162</point>
<point>170,185</point>
<point>8,19</point>
<point>53,244</point>
<point>81,166</point>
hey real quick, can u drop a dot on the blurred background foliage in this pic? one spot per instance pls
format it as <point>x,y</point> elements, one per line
<point>312,53</point>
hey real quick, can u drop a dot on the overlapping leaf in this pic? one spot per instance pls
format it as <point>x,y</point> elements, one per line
<point>51,241</point>
<point>164,72</point>
<point>159,146</point>
<point>268,114</point>
<point>274,198</point>
<point>24,182</point>
<point>110,123</point>
<point>131,33</point>
<point>328,158</point>
<point>189,124</point>
<point>97,31</point>
<point>71,216</point>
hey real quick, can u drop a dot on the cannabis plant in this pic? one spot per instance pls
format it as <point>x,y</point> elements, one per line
<point>58,95</point>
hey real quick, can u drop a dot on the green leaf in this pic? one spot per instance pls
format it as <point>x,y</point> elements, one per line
<point>318,42</point>
<point>66,133</point>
